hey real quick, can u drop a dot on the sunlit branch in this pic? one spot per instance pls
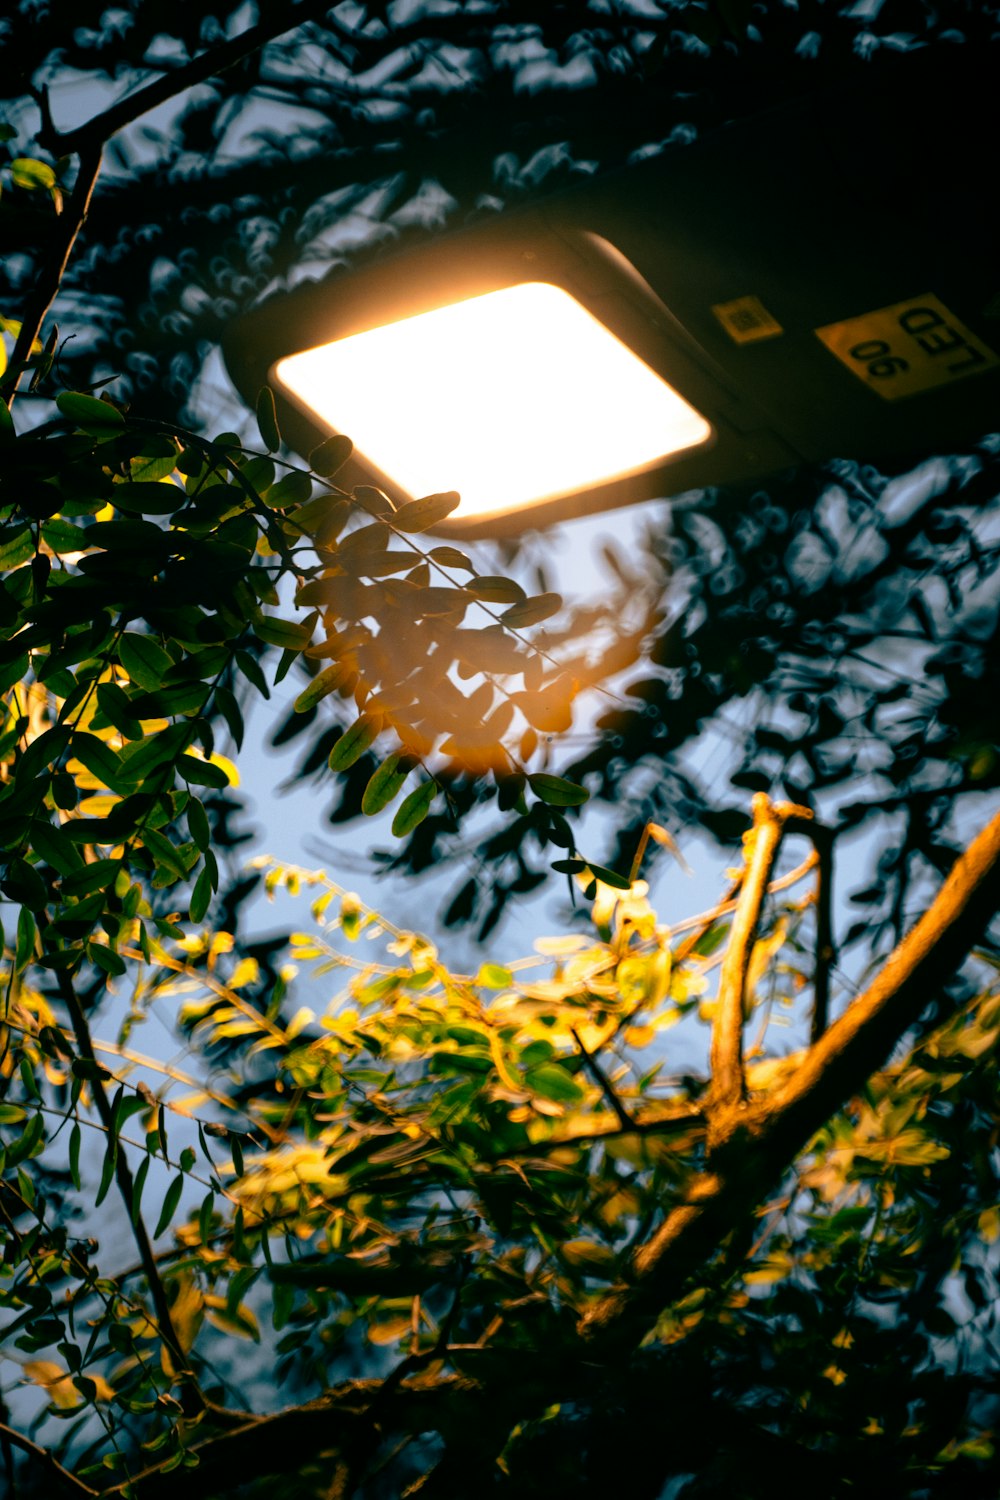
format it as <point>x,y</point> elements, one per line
<point>774,1128</point>
<point>764,842</point>
<point>44,1459</point>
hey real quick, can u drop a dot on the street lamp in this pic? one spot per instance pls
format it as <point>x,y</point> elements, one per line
<point>818,280</point>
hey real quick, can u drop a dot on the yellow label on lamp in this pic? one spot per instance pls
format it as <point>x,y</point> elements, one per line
<point>910,347</point>
<point>747,320</point>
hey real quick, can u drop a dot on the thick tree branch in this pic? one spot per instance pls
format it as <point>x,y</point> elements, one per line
<point>333,1424</point>
<point>44,1460</point>
<point>845,1056</point>
<point>770,1132</point>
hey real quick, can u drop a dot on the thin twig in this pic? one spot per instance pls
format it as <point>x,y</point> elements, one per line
<point>67,228</point>
<point>603,1082</point>
<point>190,1395</point>
<point>277,18</point>
<point>826,952</point>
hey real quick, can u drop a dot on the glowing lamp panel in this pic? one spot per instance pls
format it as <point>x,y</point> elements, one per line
<point>509,398</point>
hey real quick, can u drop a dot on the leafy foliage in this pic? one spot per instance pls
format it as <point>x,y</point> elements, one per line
<point>469,1230</point>
<point>450,1171</point>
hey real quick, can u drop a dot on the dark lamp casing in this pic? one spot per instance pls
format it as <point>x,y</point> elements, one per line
<point>818,281</point>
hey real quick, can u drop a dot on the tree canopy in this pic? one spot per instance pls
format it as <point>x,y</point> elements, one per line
<point>397,1229</point>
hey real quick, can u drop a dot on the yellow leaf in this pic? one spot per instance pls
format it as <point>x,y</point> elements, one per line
<point>247,971</point>
<point>989,1224</point>
<point>301,1019</point>
<point>389,1331</point>
<point>560,947</point>
<point>240,1322</point>
<point>58,1385</point>
<point>667,841</point>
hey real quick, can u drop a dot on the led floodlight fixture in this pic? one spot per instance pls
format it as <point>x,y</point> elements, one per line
<point>510,398</point>
<point>818,281</point>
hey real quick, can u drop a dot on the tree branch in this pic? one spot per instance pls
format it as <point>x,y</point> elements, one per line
<point>191,1398</point>
<point>67,228</point>
<point>825,951</point>
<point>840,1061</point>
<point>44,1459</point>
<point>277,17</point>
<point>604,1084</point>
<point>764,840</point>
<point>334,1422</point>
<point>773,1130</point>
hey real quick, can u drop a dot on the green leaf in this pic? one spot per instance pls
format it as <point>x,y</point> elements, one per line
<point>49,841</point>
<point>355,741</point>
<point>553,1082</point>
<point>107,1173</point>
<point>556,791</point>
<point>99,418</point>
<point>16,545</point>
<point>99,758</point>
<point>324,683</point>
<point>294,489</point>
<point>170,1202</point>
<point>144,660</point>
<point>198,824</point>
<point>138,760</point>
<point>154,462</point>
<point>26,933</point>
<point>144,498</point>
<point>202,772</point>
<point>421,515</point>
<point>138,1183</point>
<point>93,877</point>
<point>164,853</point>
<point>201,896</point>
<point>450,557</point>
<point>29,173</point>
<point>331,455</point>
<point>532,611</point>
<point>24,885</point>
<point>103,957</point>
<point>599,872</point>
<point>74,1156</point>
<point>385,784</point>
<point>494,977</point>
<point>493,589</point>
<point>284,633</point>
<point>414,808</point>
<point>250,668</point>
<point>267,419</point>
<point>62,536</point>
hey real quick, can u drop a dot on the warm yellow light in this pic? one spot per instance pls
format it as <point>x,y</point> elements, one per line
<point>510,398</point>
